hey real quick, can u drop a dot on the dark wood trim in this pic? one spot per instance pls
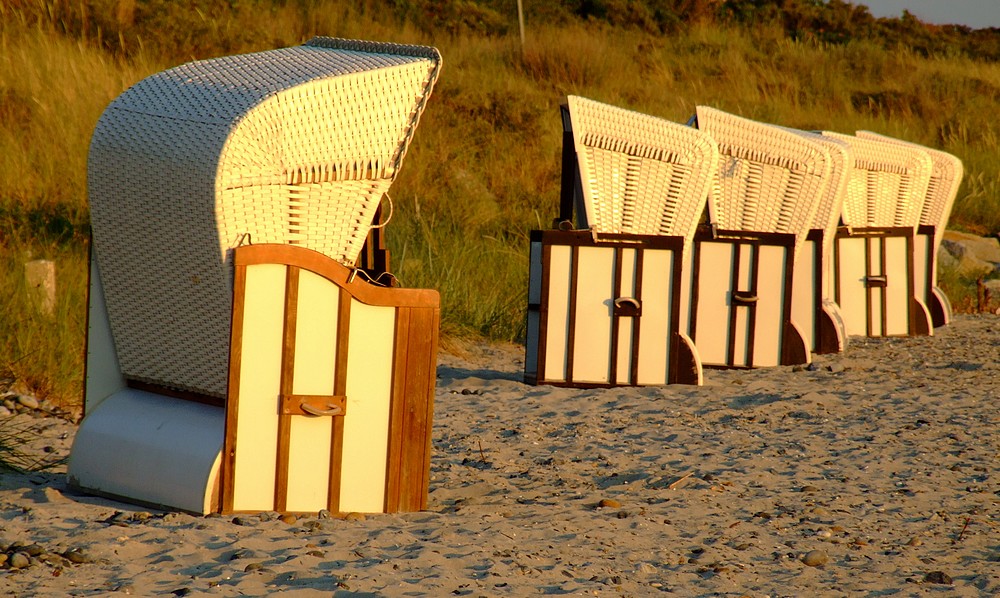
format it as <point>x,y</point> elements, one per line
<point>287,384</point>
<point>633,375</point>
<point>616,292</point>
<point>734,282</point>
<point>694,280</point>
<point>228,462</point>
<point>342,276</point>
<point>752,308</point>
<point>543,312</point>
<point>176,393</point>
<point>339,388</point>
<point>870,326</point>
<point>793,350</point>
<point>679,359</point>
<point>397,409</point>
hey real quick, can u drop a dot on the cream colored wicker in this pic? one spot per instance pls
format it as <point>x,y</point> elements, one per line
<point>874,257</point>
<point>292,146</point>
<point>887,185</point>
<point>770,179</point>
<point>942,187</point>
<point>640,174</point>
<point>946,177</point>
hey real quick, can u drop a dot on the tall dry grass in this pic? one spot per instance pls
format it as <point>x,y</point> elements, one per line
<point>484,166</point>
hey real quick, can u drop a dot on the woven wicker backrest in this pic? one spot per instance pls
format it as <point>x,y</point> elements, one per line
<point>887,184</point>
<point>296,145</point>
<point>770,179</point>
<point>640,174</point>
<point>946,177</point>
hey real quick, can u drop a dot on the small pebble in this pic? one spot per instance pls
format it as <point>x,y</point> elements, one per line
<point>355,517</point>
<point>28,401</point>
<point>815,558</point>
<point>253,567</point>
<point>19,560</point>
<point>4,412</point>
<point>289,519</point>
<point>78,556</point>
<point>938,577</point>
<point>915,542</point>
<point>608,503</point>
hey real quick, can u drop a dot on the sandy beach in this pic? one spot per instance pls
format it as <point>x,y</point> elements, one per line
<point>870,473</point>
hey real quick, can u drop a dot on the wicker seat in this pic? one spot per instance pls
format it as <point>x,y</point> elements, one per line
<point>236,359</point>
<point>769,187</point>
<point>294,146</point>
<point>874,283</point>
<point>604,302</point>
<point>946,177</point>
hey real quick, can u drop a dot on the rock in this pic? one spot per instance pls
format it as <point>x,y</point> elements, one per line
<point>971,255</point>
<point>355,517</point>
<point>78,556</point>
<point>645,569</point>
<point>4,412</point>
<point>938,577</point>
<point>28,401</point>
<point>915,542</point>
<point>289,519</point>
<point>18,560</point>
<point>253,567</point>
<point>608,503</point>
<point>815,558</point>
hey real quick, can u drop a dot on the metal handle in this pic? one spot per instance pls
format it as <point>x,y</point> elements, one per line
<point>744,298</point>
<point>879,281</point>
<point>628,307</point>
<point>313,410</point>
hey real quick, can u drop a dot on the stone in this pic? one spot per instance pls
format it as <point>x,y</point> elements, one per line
<point>28,401</point>
<point>608,503</point>
<point>938,577</point>
<point>355,517</point>
<point>19,560</point>
<point>78,556</point>
<point>815,558</point>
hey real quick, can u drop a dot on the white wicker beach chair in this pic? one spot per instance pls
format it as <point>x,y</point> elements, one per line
<point>604,302</point>
<point>769,187</point>
<point>874,282</point>
<point>946,177</point>
<point>813,304</point>
<point>293,148</point>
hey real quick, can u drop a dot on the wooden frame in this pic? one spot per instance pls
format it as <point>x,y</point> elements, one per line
<point>753,295</point>
<point>312,336</point>
<point>605,311</point>
<point>875,270</point>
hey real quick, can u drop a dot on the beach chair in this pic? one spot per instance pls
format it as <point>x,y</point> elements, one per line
<point>874,252</point>
<point>769,185</point>
<point>946,177</point>
<point>238,357</point>
<point>604,302</point>
<point>813,304</point>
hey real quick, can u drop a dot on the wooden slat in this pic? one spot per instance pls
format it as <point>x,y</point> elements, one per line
<point>574,280</point>
<point>286,387</point>
<point>633,374</point>
<point>339,388</point>
<point>418,412</point>
<point>226,473</point>
<point>397,407</point>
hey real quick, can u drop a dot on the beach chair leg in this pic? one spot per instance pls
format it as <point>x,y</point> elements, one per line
<point>832,330</point>
<point>940,307</point>
<point>687,362</point>
<point>922,322</point>
<point>794,349</point>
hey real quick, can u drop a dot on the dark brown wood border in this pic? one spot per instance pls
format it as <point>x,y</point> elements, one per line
<point>227,466</point>
<point>287,383</point>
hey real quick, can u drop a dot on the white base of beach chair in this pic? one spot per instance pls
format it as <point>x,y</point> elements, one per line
<point>606,312</point>
<point>741,300</point>
<point>817,315</point>
<point>874,283</point>
<point>925,276</point>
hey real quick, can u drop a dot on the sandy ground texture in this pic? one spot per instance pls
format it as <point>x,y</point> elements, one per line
<point>871,473</point>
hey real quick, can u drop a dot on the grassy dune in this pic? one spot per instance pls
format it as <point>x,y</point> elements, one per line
<point>484,167</point>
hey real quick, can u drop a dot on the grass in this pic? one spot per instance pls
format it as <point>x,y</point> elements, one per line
<point>484,166</point>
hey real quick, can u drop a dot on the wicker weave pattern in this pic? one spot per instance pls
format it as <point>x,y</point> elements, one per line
<point>887,184</point>
<point>946,177</point>
<point>296,145</point>
<point>770,179</point>
<point>640,174</point>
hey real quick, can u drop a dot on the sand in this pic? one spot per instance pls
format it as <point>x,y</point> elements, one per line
<point>875,472</point>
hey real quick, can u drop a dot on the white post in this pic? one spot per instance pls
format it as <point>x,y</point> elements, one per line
<point>41,278</point>
<point>520,22</point>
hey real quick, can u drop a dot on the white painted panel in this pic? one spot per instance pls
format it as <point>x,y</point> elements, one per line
<point>594,298</point>
<point>104,373</point>
<point>625,325</point>
<point>741,327</point>
<point>557,322</point>
<point>654,335</point>
<point>852,298</point>
<point>315,365</point>
<point>715,267</point>
<point>805,287</point>
<point>897,267</point>
<point>770,299</point>
<point>260,385</point>
<point>366,426</point>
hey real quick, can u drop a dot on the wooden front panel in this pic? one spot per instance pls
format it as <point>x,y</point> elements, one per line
<point>772,280</point>
<point>606,311</point>
<point>851,292</point>
<point>875,281</point>
<point>711,331</point>
<point>899,291</point>
<point>806,294</point>
<point>361,360</point>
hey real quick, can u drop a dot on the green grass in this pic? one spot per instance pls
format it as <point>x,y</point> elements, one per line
<point>484,166</point>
